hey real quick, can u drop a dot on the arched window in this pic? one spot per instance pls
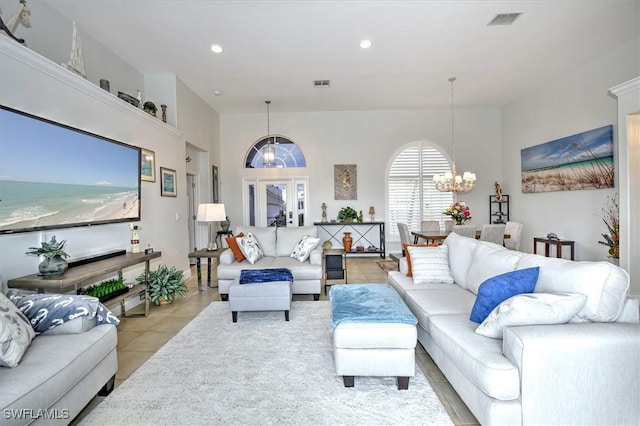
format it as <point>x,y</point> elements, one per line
<point>412,193</point>
<point>288,154</point>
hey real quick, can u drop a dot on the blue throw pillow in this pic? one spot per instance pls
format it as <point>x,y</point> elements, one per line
<point>496,290</point>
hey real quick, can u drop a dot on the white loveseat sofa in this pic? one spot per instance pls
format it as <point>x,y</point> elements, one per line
<point>583,372</point>
<point>277,244</point>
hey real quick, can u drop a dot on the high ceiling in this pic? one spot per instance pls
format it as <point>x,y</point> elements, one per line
<point>276,49</point>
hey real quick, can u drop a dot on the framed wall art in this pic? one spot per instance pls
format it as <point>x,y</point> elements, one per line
<point>168,182</point>
<point>147,165</point>
<point>581,161</point>
<point>216,185</point>
<point>345,182</point>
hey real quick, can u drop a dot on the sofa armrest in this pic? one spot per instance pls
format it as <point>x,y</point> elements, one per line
<point>227,257</point>
<point>315,258</point>
<point>577,373</point>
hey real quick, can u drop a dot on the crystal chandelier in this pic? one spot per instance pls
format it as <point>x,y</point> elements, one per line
<point>451,181</point>
<point>269,151</point>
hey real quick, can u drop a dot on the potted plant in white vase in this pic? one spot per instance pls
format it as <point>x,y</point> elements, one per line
<point>53,264</point>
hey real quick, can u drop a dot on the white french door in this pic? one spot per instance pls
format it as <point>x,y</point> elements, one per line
<point>275,202</point>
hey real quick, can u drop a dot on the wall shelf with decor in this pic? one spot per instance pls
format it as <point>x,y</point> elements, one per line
<point>498,210</point>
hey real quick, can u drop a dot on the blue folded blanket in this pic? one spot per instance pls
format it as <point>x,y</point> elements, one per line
<point>252,276</point>
<point>368,303</point>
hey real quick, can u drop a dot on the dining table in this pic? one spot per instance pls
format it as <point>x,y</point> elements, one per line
<point>438,236</point>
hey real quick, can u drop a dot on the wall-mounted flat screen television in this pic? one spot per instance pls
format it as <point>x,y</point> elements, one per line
<point>55,176</point>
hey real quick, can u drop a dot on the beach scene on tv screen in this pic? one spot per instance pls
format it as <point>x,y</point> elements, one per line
<point>52,176</point>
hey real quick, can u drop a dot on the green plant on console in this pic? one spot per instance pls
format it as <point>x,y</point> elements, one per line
<point>347,214</point>
<point>49,250</point>
<point>164,284</point>
<point>103,288</point>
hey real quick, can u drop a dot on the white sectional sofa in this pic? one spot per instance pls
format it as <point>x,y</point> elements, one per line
<point>277,244</point>
<point>583,372</point>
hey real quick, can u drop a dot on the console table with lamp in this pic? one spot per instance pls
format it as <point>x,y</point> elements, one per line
<point>209,213</point>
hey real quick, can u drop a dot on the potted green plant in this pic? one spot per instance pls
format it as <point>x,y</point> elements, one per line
<point>106,290</point>
<point>150,108</point>
<point>347,214</point>
<point>164,284</point>
<point>54,264</point>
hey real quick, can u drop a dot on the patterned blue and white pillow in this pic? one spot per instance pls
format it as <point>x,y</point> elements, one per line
<point>302,250</point>
<point>15,333</point>
<point>250,248</point>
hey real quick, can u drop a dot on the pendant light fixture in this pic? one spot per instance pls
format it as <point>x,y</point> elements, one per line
<point>269,151</point>
<point>451,181</point>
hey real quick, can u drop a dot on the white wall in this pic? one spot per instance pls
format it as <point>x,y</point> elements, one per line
<point>369,139</point>
<point>576,102</point>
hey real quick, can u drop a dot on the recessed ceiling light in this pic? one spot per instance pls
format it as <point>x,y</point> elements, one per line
<point>365,44</point>
<point>216,48</point>
<point>216,93</point>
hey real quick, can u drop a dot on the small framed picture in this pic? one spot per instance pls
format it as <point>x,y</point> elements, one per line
<point>148,165</point>
<point>216,185</point>
<point>168,182</point>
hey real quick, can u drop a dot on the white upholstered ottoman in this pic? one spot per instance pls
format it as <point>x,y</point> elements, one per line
<point>260,295</point>
<point>374,333</point>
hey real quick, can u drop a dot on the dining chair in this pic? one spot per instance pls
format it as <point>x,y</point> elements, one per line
<point>430,226</point>
<point>468,231</point>
<point>493,233</point>
<point>405,235</point>
<point>448,225</point>
<point>514,230</point>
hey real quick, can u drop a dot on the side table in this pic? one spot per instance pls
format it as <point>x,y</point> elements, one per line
<point>335,266</point>
<point>558,243</point>
<point>209,254</point>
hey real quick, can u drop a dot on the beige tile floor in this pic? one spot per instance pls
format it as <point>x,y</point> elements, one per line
<point>140,338</point>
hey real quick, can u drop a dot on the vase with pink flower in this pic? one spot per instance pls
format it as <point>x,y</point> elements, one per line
<point>459,211</point>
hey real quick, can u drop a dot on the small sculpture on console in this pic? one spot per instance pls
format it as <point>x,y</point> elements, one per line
<point>498,191</point>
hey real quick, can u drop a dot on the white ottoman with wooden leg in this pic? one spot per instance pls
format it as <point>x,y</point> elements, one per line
<point>261,290</point>
<point>374,333</point>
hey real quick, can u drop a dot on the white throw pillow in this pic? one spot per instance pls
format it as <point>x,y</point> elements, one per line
<point>16,333</point>
<point>532,309</point>
<point>489,260</point>
<point>430,265</point>
<point>302,249</point>
<point>250,248</point>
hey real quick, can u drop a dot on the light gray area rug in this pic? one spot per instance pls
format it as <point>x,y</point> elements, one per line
<point>260,370</point>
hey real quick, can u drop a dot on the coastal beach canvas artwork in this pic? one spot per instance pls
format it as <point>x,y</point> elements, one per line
<point>581,161</point>
<point>55,176</point>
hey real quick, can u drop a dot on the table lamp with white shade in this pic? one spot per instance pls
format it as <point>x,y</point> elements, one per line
<point>211,213</point>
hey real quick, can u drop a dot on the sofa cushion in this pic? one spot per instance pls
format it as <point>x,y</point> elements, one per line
<point>15,333</point>
<point>478,358</point>
<point>266,237</point>
<point>438,299</point>
<point>251,248</point>
<point>460,255</point>
<point>604,284</point>
<point>300,271</point>
<point>497,289</point>
<point>531,309</point>
<point>235,249</point>
<point>489,260</point>
<point>302,250</point>
<point>430,265</point>
<point>287,238</point>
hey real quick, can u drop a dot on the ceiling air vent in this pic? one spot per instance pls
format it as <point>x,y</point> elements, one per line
<point>505,18</point>
<point>321,83</point>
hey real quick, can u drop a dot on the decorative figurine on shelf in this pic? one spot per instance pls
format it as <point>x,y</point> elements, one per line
<point>164,113</point>
<point>372,212</point>
<point>76,59</point>
<point>498,191</point>
<point>360,218</point>
<point>22,15</point>
<point>135,238</point>
<point>139,97</point>
<point>324,213</point>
